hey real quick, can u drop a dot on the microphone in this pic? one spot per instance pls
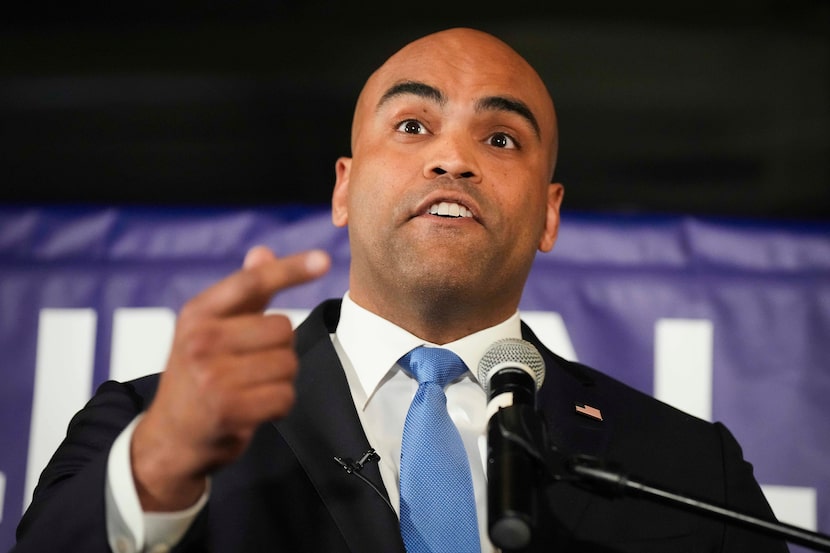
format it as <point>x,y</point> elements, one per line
<point>350,465</point>
<point>354,467</point>
<point>511,371</point>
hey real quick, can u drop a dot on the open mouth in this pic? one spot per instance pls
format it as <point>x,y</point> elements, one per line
<point>449,209</point>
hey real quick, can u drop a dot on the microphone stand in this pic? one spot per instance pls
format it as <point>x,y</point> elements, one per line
<point>593,474</point>
<point>526,430</point>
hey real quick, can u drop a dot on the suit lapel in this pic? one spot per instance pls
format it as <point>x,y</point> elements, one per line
<point>324,425</point>
<point>567,385</point>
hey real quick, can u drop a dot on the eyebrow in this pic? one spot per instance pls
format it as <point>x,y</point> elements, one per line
<point>415,88</point>
<point>503,103</point>
<point>489,103</point>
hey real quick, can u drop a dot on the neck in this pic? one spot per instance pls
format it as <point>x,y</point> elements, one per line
<point>438,320</point>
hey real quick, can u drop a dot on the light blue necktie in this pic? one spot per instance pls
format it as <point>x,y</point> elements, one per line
<point>438,511</point>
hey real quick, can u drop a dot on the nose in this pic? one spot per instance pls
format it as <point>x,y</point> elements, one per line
<point>453,156</point>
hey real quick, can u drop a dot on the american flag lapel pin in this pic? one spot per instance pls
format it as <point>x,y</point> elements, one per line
<point>588,411</point>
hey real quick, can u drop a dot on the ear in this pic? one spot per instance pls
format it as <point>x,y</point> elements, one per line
<point>555,194</point>
<point>339,197</point>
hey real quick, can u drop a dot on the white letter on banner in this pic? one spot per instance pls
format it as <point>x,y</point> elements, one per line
<point>551,330</point>
<point>141,340</point>
<point>2,494</point>
<point>683,378</point>
<point>794,505</point>
<point>683,365</point>
<point>63,383</point>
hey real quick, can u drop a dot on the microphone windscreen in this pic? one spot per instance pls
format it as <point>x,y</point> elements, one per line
<point>514,353</point>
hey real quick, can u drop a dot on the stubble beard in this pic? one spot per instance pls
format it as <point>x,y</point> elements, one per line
<point>439,289</point>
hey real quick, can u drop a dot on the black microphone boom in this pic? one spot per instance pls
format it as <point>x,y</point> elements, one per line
<point>511,371</point>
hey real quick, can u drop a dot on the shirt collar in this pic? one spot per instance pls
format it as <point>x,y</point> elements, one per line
<point>374,344</point>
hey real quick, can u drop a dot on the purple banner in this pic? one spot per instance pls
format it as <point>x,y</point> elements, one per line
<point>728,320</point>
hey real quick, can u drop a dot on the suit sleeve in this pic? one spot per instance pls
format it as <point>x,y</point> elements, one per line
<point>67,512</point>
<point>743,494</point>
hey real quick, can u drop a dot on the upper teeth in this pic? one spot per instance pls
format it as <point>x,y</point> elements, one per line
<point>450,209</point>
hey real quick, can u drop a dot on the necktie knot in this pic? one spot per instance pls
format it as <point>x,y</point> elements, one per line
<point>437,365</point>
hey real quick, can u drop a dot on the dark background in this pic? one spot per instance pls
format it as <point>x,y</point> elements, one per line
<point>701,107</point>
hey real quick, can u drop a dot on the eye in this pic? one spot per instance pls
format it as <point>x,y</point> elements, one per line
<point>411,126</point>
<point>502,140</point>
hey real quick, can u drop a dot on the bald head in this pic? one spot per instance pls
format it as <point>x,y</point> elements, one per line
<point>462,55</point>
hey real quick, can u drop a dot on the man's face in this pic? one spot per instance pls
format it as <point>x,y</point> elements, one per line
<point>448,194</point>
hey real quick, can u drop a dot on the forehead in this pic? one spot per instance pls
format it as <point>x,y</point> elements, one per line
<point>460,75</point>
<point>465,68</point>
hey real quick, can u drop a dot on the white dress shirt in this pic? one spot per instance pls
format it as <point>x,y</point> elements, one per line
<point>368,347</point>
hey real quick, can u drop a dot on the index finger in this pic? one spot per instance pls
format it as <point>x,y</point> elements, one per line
<point>263,275</point>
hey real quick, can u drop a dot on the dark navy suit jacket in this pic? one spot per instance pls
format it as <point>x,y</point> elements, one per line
<point>287,493</point>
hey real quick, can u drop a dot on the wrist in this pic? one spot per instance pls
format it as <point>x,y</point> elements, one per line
<point>164,480</point>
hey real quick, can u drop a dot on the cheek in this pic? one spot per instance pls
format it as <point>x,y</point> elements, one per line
<point>371,207</point>
<point>380,183</point>
<point>527,215</point>
<point>520,195</point>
